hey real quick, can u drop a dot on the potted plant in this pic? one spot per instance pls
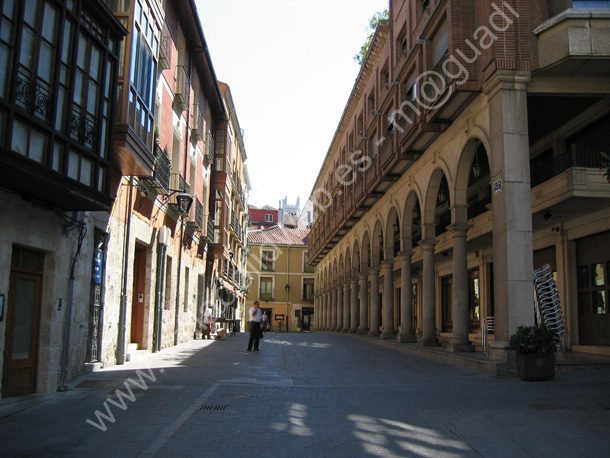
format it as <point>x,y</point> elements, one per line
<point>535,347</point>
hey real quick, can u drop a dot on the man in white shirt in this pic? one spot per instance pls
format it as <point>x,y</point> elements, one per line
<point>207,322</point>
<point>256,316</point>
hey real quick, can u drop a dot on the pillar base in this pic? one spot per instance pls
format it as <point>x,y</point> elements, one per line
<point>462,347</point>
<point>388,335</point>
<point>431,343</point>
<point>406,338</point>
<point>353,330</point>
<point>373,333</point>
<point>363,331</point>
<point>345,330</point>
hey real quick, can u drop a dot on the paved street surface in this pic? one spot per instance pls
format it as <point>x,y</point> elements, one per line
<point>310,395</point>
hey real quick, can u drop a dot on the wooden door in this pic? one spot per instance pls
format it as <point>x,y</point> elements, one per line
<point>23,323</point>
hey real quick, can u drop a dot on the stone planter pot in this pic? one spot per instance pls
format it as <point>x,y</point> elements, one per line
<point>536,366</point>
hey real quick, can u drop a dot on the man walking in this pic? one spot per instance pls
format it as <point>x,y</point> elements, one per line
<point>256,317</point>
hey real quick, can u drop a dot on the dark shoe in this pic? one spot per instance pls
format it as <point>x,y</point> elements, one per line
<point>248,349</point>
<point>256,349</point>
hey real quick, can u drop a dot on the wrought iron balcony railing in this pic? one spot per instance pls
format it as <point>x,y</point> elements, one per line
<point>196,216</point>
<point>182,93</point>
<point>160,180</point>
<point>165,50</point>
<point>197,118</point>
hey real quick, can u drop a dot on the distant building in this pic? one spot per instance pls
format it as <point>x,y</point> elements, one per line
<point>289,213</point>
<point>261,218</point>
<point>279,277</point>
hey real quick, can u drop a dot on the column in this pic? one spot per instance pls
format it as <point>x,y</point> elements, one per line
<point>388,300</point>
<point>375,306</point>
<point>333,308</point>
<point>459,339</point>
<point>512,209</point>
<point>346,310</point>
<point>354,305</point>
<point>429,297</point>
<point>407,333</point>
<point>328,309</point>
<point>339,310</point>
<point>363,326</point>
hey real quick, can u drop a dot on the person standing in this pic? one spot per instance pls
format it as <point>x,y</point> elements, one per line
<point>256,317</point>
<point>207,322</point>
<point>265,322</point>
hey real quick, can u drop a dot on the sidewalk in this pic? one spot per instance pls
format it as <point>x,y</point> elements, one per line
<point>310,395</point>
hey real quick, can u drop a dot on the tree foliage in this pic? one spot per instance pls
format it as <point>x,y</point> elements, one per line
<point>373,23</point>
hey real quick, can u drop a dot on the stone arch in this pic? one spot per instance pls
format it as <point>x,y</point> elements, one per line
<point>411,221</point>
<point>356,264</point>
<point>392,234</point>
<point>472,177</point>
<point>437,185</point>
<point>365,253</point>
<point>376,244</point>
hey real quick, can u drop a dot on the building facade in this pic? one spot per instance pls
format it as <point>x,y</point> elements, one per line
<point>112,124</point>
<point>468,155</point>
<point>264,217</point>
<point>280,279</point>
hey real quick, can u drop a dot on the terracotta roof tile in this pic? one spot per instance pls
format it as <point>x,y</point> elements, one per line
<point>279,236</point>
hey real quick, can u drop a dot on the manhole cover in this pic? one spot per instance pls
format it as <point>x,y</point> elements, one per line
<point>213,407</point>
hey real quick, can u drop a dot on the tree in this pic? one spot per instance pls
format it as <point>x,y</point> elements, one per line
<point>373,23</point>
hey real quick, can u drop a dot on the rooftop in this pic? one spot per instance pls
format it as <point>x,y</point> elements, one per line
<point>279,236</point>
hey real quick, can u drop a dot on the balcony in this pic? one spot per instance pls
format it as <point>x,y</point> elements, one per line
<point>570,177</point>
<point>197,117</point>
<point>178,186</point>
<point>210,232</point>
<point>165,50</point>
<point>195,222</point>
<point>182,93</point>
<point>160,179</point>
<point>575,42</point>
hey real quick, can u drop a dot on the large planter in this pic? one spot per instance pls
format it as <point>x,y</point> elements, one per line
<point>536,366</point>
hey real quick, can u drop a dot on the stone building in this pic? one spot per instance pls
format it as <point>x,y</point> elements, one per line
<point>59,66</point>
<point>109,148</point>
<point>279,277</point>
<point>468,155</point>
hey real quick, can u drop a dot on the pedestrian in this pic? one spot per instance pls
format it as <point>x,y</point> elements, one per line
<point>255,326</point>
<point>265,321</point>
<point>207,322</point>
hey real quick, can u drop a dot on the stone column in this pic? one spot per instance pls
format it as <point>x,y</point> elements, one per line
<point>459,339</point>
<point>429,297</point>
<point>333,308</point>
<point>339,309</point>
<point>375,306</point>
<point>407,333</point>
<point>388,300</point>
<point>328,309</point>
<point>363,326</point>
<point>512,208</point>
<point>354,305</point>
<point>346,310</point>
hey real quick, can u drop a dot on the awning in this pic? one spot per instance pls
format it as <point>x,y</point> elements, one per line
<point>228,286</point>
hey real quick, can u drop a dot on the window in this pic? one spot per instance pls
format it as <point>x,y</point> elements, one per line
<point>269,218</point>
<point>592,289</point>
<point>266,288</point>
<point>268,260</point>
<point>143,71</point>
<point>590,4</point>
<point>308,284</point>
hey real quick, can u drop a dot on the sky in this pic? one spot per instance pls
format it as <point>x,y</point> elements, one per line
<point>290,68</point>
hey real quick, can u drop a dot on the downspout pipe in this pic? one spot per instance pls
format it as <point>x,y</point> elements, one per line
<point>186,156</point>
<point>120,348</point>
<point>70,304</point>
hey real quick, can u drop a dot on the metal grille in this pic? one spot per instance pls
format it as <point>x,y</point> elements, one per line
<point>214,408</point>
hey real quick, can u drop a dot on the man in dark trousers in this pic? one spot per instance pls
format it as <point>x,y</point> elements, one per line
<point>256,316</point>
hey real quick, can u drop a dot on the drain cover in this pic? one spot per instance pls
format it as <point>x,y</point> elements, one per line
<point>213,407</point>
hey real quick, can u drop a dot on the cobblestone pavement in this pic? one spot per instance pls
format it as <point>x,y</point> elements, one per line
<point>309,395</point>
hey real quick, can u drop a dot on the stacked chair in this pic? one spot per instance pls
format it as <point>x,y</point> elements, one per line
<point>548,307</point>
<point>489,327</point>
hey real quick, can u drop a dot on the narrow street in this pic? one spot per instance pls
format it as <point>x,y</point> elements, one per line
<point>309,394</point>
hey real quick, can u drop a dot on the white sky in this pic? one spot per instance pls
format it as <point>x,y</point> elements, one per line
<point>290,67</point>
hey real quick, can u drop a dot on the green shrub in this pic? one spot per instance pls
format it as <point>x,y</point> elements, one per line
<point>533,339</point>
